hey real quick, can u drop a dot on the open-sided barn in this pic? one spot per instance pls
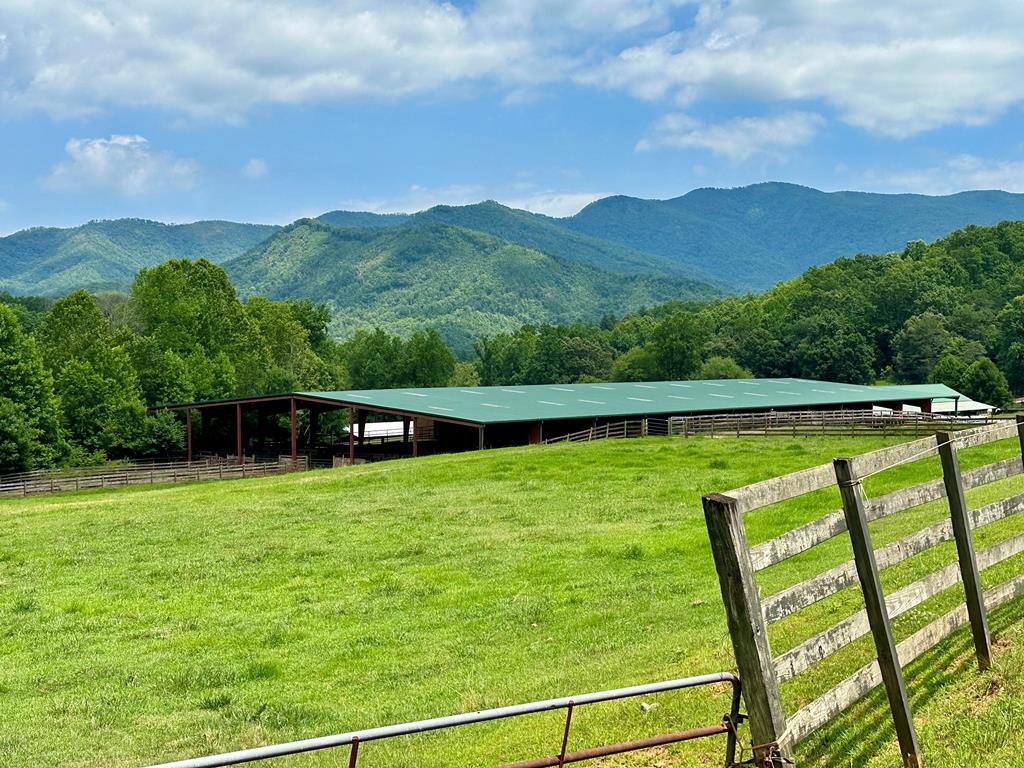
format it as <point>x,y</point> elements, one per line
<point>446,419</point>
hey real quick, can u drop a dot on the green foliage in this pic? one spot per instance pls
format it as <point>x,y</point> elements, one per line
<point>461,282</point>
<point>677,346</point>
<point>984,383</point>
<point>722,368</point>
<point>752,237</point>
<point>107,254</point>
<point>30,435</point>
<point>427,362</point>
<point>918,346</point>
<point>949,370</point>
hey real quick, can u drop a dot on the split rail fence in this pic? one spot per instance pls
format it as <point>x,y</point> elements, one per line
<point>835,423</point>
<point>773,730</point>
<point>53,481</point>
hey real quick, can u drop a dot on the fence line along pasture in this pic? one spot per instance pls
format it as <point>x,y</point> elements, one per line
<point>839,423</point>
<point>83,478</point>
<point>776,732</point>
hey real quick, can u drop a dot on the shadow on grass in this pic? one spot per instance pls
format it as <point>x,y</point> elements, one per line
<point>865,729</point>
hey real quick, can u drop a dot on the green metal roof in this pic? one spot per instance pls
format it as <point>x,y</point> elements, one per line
<point>494,405</point>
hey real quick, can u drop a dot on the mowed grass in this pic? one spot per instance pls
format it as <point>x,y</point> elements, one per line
<point>143,625</point>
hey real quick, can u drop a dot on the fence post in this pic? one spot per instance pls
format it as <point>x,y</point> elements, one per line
<point>878,614</point>
<point>747,628</point>
<point>965,548</point>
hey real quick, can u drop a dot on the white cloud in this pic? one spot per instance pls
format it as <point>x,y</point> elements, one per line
<point>956,174</point>
<point>738,139</point>
<point>517,195</point>
<point>219,58</point>
<point>123,164</point>
<point>557,204</point>
<point>891,68</point>
<point>255,168</point>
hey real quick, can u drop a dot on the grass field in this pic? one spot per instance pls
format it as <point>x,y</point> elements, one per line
<point>149,624</point>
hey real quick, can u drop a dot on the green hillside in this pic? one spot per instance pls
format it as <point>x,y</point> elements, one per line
<point>363,219</point>
<point>546,235</point>
<point>752,237</point>
<point>149,624</point>
<point>462,282</point>
<point>107,254</point>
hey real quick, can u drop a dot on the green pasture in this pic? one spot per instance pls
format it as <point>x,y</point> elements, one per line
<point>142,625</point>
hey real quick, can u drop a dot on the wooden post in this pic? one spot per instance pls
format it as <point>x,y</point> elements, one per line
<point>351,438</point>
<point>361,418</point>
<point>188,434</point>
<point>415,438</point>
<point>1020,432</point>
<point>405,430</point>
<point>238,432</point>
<point>480,439</point>
<point>878,614</point>
<point>965,548</point>
<point>747,627</point>
<point>295,433</point>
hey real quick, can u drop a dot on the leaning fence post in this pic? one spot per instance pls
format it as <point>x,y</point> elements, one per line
<point>878,614</point>
<point>747,627</point>
<point>965,548</point>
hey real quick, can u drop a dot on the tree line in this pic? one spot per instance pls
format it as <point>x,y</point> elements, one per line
<point>78,376</point>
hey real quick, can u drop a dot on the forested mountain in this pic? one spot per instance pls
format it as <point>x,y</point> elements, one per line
<point>107,254</point>
<point>742,239</point>
<point>752,237</point>
<point>546,235</point>
<point>462,282</point>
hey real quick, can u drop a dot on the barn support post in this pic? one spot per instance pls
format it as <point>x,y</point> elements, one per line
<point>351,437</point>
<point>415,438</point>
<point>480,438</point>
<point>747,629</point>
<point>878,613</point>
<point>361,416</point>
<point>969,573</point>
<point>294,433</point>
<point>314,427</point>
<point>405,430</point>
<point>238,433</point>
<point>188,434</point>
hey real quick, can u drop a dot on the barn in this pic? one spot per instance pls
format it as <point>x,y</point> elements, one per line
<point>366,425</point>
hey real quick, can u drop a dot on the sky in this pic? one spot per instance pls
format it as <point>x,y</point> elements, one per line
<point>270,110</point>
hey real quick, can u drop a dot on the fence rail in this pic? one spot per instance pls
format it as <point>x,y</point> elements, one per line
<point>835,423</point>
<point>83,478</point>
<point>355,739</point>
<point>750,615</point>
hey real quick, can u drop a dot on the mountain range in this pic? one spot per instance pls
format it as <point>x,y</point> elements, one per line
<point>478,268</point>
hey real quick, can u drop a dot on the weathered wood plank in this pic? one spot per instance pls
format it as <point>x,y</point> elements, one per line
<point>827,706</point>
<point>776,489</point>
<point>996,511</point>
<point>823,709</point>
<point>825,643</point>
<point>816,588</point>
<point>801,539</point>
<point>970,438</point>
<point>878,614</point>
<point>883,458</point>
<point>746,621</point>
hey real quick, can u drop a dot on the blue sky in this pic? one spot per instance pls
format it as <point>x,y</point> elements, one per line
<point>268,111</point>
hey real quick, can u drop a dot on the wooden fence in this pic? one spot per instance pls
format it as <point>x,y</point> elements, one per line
<point>774,731</point>
<point>80,479</point>
<point>836,423</point>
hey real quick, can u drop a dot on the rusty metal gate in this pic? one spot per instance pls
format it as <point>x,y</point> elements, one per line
<point>355,739</point>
